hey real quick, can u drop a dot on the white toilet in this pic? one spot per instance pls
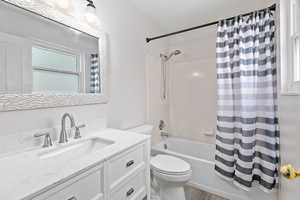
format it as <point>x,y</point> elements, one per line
<point>169,172</point>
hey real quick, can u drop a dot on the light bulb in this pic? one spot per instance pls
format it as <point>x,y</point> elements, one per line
<point>63,4</point>
<point>196,74</point>
<point>28,1</point>
<point>90,15</point>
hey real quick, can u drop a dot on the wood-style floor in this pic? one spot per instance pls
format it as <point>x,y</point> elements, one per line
<point>195,194</point>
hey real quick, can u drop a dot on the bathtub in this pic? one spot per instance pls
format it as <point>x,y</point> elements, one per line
<point>201,158</point>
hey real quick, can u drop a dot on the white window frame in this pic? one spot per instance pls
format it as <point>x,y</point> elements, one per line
<point>289,86</point>
<point>80,61</point>
<point>48,69</point>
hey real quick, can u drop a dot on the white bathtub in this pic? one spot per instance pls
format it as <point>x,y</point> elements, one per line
<point>201,158</point>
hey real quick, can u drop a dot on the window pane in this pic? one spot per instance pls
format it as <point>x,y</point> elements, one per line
<point>297,58</point>
<point>45,81</point>
<point>295,17</point>
<point>53,60</point>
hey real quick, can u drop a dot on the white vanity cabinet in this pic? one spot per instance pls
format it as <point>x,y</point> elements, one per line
<point>128,174</point>
<point>86,186</point>
<point>125,176</point>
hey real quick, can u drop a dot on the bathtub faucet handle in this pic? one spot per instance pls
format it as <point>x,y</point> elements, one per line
<point>164,134</point>
<point>161,125</point>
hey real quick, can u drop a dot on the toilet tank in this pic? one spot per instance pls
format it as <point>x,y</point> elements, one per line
<point>145,129</point>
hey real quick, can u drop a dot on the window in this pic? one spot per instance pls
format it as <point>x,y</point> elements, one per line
<point>296,56</point>
<point>290,46</point>
<point>55,71</point>
<point>295,37</point>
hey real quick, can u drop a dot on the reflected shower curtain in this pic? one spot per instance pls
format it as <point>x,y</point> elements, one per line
<point>94,74</point>
<point>247,141</point>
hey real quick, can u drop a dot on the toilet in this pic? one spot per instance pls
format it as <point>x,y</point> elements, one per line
<point>169,173</point>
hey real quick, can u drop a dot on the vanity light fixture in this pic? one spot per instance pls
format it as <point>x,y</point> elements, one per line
<point>90,12</point>
<point>63,4</point>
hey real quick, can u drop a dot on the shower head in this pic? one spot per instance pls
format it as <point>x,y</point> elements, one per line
<point>173,53</point>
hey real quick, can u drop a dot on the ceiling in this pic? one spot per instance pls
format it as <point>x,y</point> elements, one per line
<point>173,15</point>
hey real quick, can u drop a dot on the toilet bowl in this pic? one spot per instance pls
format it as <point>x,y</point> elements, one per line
<point>170,174</point>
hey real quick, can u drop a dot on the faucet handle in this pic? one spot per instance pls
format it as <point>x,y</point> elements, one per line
<point>77,131</point>
<point>47,139</point>
<point>164,134</point>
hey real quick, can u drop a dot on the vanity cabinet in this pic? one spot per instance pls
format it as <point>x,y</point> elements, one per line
<point>125,176</point>
<point>86,186</point>
<point>134,188</point>
<point>123,165</point>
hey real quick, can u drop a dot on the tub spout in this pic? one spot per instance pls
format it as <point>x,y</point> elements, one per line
<point>165,146</point>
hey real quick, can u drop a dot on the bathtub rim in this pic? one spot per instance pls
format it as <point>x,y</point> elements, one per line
<point>158,148</point>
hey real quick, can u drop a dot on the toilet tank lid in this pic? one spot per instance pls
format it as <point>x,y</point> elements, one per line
<point>143,129</point>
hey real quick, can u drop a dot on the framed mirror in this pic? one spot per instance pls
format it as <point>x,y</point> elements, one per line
<point>46,62</point>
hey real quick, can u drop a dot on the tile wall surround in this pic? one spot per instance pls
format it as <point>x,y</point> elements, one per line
<point>192,80</point>
<point>190,109</point>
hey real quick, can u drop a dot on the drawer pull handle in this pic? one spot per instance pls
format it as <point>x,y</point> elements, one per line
<point>72,198</point>
<point>130,163</point>
<point>130,192</point>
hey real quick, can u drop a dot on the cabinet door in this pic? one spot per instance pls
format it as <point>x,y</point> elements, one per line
<point>132,189</point>
<point>87,186</point>
<point>122,165</point>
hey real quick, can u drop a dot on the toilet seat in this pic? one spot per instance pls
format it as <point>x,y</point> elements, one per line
<point>170,165</point>
<point>172,178</point>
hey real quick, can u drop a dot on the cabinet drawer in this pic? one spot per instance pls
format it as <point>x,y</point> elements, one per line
<point>87,186</point>
<point>121,165</point>
<point>133,189</point>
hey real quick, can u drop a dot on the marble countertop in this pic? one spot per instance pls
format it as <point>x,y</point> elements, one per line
<point>24,175</point>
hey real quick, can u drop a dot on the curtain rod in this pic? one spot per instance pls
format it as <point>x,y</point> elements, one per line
<point>273,8</point>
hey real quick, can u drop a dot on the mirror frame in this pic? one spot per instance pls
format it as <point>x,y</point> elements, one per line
<point>14,102</point>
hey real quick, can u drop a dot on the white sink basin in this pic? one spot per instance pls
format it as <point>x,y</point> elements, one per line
<point>75,149</point>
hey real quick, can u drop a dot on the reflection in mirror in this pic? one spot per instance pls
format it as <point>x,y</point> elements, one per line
<point>38,55</point>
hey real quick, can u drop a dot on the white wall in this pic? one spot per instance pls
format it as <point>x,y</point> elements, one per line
<point>126,30</point>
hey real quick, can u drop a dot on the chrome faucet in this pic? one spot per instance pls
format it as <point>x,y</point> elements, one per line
<point>63,138</point>
<point>47,139</point>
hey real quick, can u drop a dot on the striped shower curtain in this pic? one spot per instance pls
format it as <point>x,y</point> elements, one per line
<point>247,141</point>
<point>94,74</point>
